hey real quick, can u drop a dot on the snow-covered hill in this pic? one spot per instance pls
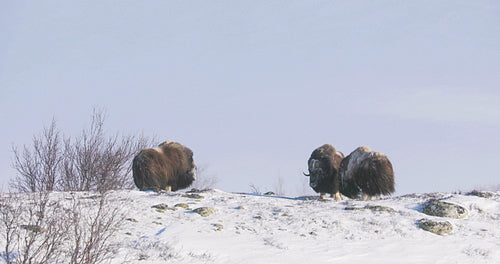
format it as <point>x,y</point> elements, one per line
<point>250,228</point>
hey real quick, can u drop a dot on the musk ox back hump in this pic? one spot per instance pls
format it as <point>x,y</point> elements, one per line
<point>368,172</point>
<point>170,166</point>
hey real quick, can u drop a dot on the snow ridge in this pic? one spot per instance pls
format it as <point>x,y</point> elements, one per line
<point>250,228</point>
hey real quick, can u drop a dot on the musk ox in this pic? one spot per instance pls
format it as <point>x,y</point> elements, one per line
<point>367,173</point>
<point>323,168</point>
<point>170,166</point>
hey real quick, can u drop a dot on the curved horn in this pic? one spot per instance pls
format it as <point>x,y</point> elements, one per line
<point>307,175</point>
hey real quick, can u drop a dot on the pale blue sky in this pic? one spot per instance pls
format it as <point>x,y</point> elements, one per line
<point>253,87</point>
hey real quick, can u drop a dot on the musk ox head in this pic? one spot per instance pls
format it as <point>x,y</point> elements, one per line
<point>317,171</point>
<point>170,166</point>
<point>323,166</point>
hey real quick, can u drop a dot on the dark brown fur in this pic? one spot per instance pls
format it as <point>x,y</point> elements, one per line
<point>323,174</point>
<point>170,164</point>
<point>366,172</point>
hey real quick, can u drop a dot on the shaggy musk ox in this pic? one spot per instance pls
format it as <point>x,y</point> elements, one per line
<point>323,168</point>
<point>170,166</point>
<point>367,173</point>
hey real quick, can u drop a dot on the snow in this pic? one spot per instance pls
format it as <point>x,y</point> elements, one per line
<point>250,228</point>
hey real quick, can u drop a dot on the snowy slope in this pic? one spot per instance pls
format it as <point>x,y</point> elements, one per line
<point>249,228</point>
<point>263,229</point>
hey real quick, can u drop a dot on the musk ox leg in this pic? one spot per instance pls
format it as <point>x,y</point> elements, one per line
<point>322,196</point>
<point>367,197</point>
<point>337,196</point>
<point>168,188</point>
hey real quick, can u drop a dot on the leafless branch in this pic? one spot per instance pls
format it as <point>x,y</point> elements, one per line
<point>92,230</point>
<point>204,180</point>
<point>39,230</point>
<point>38,166</point>
<point>279,187</point>
<point>255,189</point>
<point>100,163</point>
<point>92,161</point>
<point>34,230</point>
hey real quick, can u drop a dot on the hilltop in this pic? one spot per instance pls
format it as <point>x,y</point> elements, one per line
<point>251,228</point>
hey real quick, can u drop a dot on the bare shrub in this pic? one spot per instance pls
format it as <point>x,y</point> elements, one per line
<point>38,166</point>
<point>254,189</point>
<point>97,162</point>
<point>42,234</point>
<point>9,213</point>
<point>204,181</point>
<point>279,187</point>
<point>92,161</point>
<point>39,230</point>
<point>34,230</point>
<point>303,188</point>
<point>92,229</point>
<point>147,247</point>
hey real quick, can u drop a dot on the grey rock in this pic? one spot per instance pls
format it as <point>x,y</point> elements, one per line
<point>443,209</point>
<point>482,194</point>
<point>439,228</point>
<point>204,211</point>
<point>373,208</point>
<point>193,196</point>
<point>379,208</point>
<point>218,227</point>
<point>182,205</point>
<point>162,207</point>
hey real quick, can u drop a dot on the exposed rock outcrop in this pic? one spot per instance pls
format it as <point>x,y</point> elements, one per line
<point>438,228</point>
<point>443,209</point>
